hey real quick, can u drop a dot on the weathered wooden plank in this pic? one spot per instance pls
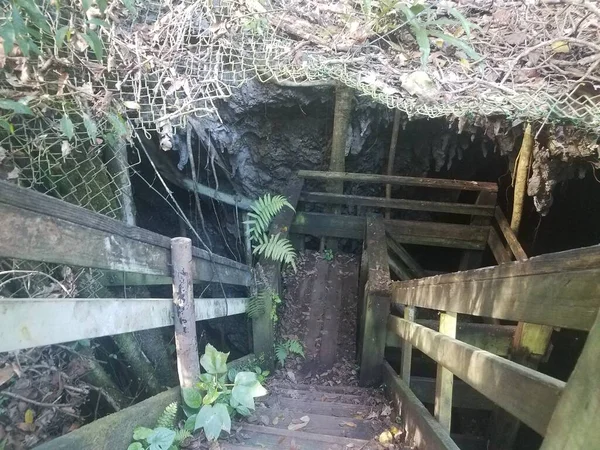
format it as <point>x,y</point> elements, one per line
<point>495,339</point>
<point>403,231</point>
<point>262,326</point>
<point>559,289</point>
<point>419,425</point>
<point>377,305</point>
<point>437,234</point>
<point>26,323</point>
<point>410,314</point>
<point>41,219</point>
<point>444,380</point>
<point>464,395</point>
<point>406,258</point>
<point>575,422</point>
<point>113,278</point>
<point>404,204</point>
<point>439,183</point>
<point>331,225</point>
<point>399,269</point>
<point>509,235</point>
<point>528,395</point>
<point>501,254</point>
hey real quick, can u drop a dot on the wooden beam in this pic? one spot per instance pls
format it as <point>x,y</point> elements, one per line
<point>420,427</point>
<point>575,422</point>
<point>406,258</point>
<point>501,254</point>
<point>410,314</point>
<point>329,225</point>
<point>495,339</point>
<point>37,227</point>
<point>34,322</point>
<point>377,304</point>
<point>528,395</point>
<point>439,183</point>
<point>262,326</point>
<point>509,235</point>
<point>403,204</point>
<point>464,395</point>
<point>114,278</point>
<point>558,289</point>
<point>437,234</point>
<point>399,269</point>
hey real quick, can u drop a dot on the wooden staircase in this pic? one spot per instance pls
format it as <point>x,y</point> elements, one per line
<point>299,416</point>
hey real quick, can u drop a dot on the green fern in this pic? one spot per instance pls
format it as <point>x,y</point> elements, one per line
<point>167,418</point>
<point>276,248</point>
<point>182,435</point>
<point>263,212</point>
<point>256,304</point>
<point>281,353</point>
<point>295,346</point>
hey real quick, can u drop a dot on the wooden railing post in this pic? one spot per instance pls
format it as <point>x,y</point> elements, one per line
<point>444,380</point>
<point>186,343</point>
<point>376,304</point>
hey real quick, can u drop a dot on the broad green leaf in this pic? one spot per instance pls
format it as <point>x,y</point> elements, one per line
<point>142,433</point>
<point>466,25</point>
<point>243,411</point>
<point>7,126</point>
<point>190,422</point>
<point>130,5</point>
<point>61,35</point>
<point>192,397</point>
<point>34,13</point>
<point>231,373</point>
<point>161,439</point>
<point>458,43</point>
<point>211,396</point>
<point>95,43</point>
<point>240,395</point>
<point>118,124</point>
<point>90,126</point>
<point>214,361</point>
<point>16,107</point>
<point>135,446</point>
<point>99,22</point>
<point>7,32</point>
<point>423,41</point>
<point>250,380</point>
<point>213,419</point>
<point>66,126</point>
<point>102,5</point>
<point>86,4</point>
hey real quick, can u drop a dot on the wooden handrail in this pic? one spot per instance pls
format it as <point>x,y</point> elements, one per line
<point>558,289</point>
<point>413,205</point>
<point>437,183</point>
<point>37,227</point>
<point>525,393</point>
<point>44,321</point>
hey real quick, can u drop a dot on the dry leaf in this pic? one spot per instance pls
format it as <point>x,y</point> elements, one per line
<point>29,415</point>
<point>387,410</point>
<point>13,174</point>
<point>348,424</point>
<point>131,105</point>
<point>386,438</point>
<point>65,149</point>
<point>6,373</point>
<point>297,426</point>
<point>305,419</point>
<point>560,47</point>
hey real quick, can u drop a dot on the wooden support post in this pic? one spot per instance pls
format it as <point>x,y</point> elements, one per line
<point>392,156</point>
<point>376,304</point>
<point>444,380</point>
<point>521,173</point>
<point>247,239</point>
<point>574,424</point>
<point>410,314</point>
<point>186,343</point>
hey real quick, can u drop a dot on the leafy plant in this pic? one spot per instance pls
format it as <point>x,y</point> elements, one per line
<point>257,303</point>
<point>219,394</point>
<point>328,254</point>
<point>423,21</point>
<point>163,437</point>
<point>284,349</point>
<point>274,247</point>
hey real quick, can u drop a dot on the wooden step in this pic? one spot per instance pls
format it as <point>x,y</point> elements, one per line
<point>334,409</point>
<point>266,437</point>
<point>346,390</point>
<point>349,427</point>
<point>347,399</point>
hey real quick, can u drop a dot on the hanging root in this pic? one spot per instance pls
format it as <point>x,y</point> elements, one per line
<point>521,171</point>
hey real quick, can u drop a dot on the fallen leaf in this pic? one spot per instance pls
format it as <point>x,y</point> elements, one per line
<point>560,47</point>
<point>6,373</point>
<point>372,415</point>
<point>29,415</point>
<point>305,419</point>
<point>2,156</point>
<point>65,149</point>
<point>297,426</point>
<point>131,105</point>
<point>386,438</point>
<point>13,174</point>
<point>387,410</point>
<point>275,420</point>
<point>348,424</point>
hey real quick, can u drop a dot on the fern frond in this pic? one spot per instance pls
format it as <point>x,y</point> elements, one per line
<point>182,435</point>
<point>281,353</point>
<point>277,248</point>
<point>262,213</point>
<point>256,304</point>
<point>167,418</point>
<point>295,346</point>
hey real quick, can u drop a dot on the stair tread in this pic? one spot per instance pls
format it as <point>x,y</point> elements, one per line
<point>341,389</point>
<point>330,408</point>
<point>260,436</point>
<point>350,427</point>
<point>330,397</point>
